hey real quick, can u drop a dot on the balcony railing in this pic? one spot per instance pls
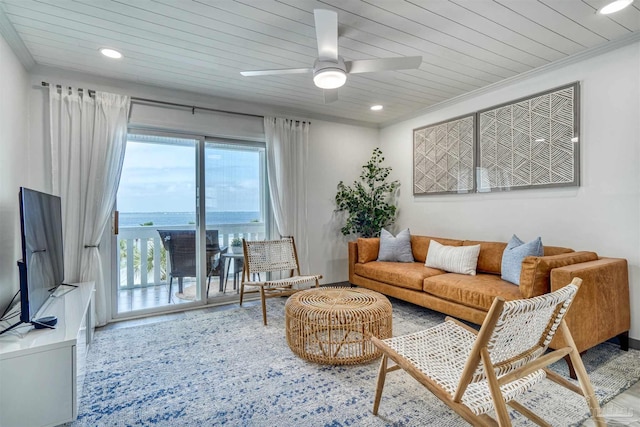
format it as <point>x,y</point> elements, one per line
<point>142,259</point>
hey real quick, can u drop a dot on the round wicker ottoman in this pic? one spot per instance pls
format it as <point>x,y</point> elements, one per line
<point>333,325</point>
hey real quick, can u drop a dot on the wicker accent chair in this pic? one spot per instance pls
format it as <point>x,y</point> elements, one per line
<point>269,256</point>
<point>181,247</point>
<point>475,372</point>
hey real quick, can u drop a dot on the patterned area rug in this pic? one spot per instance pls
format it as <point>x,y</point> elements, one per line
<point>225,367</point>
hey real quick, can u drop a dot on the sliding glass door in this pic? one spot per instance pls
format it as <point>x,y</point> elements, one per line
<point>157,251</point>
<point>166,255</point>
<point>235,201</point>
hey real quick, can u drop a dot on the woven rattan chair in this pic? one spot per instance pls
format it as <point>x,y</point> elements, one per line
<point>269,256</point>
<point>476,372</point>
<point>181,247</point>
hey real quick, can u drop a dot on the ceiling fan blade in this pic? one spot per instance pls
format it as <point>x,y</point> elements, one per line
<point>383,64</point>
<point>330,95</point>
<point>276,72</point>
<point>326,34</point>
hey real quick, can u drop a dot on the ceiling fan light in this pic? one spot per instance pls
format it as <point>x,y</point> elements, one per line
<point>331,78</point>
<point>614,6</point>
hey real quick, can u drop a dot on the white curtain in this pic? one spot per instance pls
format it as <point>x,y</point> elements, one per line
<point>287,144</point>
<point>88,139</point>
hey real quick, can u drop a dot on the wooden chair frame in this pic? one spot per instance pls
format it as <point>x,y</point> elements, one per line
<point>268,256</point>
<point>498,374</point>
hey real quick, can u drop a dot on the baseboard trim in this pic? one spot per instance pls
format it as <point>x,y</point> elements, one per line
<point>634,344</point>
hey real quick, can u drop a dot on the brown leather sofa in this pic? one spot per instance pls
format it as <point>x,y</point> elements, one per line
<point>599,312</point>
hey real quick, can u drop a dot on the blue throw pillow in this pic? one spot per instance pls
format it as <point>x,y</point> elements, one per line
<point>395,248</point>
<point>513,255</point>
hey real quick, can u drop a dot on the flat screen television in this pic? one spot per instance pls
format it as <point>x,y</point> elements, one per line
<point>42,265</point>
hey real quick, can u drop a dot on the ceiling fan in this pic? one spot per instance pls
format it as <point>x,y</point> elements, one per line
<point>330,69</point>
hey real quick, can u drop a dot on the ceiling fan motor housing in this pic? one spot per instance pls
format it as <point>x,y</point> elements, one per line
<point>324,65</point>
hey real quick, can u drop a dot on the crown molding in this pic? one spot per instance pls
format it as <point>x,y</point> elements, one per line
<point>568,60</point>
<point>14,41</point>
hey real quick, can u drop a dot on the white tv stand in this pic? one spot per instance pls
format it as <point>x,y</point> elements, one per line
<point>42,372</point>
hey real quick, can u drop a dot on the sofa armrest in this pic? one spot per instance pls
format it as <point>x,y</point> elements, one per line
<point>353,258</point>
<point>535,275</point>
<point>600,310</point>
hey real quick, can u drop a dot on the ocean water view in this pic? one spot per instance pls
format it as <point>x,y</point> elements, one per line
<point>136,219</point>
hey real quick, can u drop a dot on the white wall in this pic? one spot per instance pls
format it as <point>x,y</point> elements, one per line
<point>602,215</point>
<point>336,153</point>
<point>13,163</point>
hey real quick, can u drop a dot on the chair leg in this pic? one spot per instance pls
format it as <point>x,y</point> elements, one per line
<point>572,371</point>
<point>241,293</point>
<point>382,375</point>
<point>264,306</point>
<point>500,406</point>
<point>587,388</point>
<point>583,377</point>
<point>170,283</point>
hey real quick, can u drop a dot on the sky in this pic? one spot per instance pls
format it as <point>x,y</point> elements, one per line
<point>161,178</point>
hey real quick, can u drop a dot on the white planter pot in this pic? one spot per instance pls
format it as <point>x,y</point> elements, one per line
<point>236,249</point>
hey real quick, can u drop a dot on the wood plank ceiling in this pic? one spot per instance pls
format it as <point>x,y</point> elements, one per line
<point>201,46</point>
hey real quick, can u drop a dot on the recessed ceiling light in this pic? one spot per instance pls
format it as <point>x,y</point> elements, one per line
<point>110,53</point>
<point>614,6</point>
<point>376,107</point>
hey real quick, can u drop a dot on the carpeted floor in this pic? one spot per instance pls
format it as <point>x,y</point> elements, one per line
<point>225,367</point>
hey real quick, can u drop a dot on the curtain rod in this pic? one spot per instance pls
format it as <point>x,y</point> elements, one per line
<point>193,107</point>
<point>171,104</point>
<point>89,91</point>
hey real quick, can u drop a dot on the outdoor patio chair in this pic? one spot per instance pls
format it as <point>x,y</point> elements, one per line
<point>271,256</point>
<point>475,372</point>
<point>181,248</point>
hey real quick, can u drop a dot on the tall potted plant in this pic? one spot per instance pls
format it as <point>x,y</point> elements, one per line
<point>369,202</point>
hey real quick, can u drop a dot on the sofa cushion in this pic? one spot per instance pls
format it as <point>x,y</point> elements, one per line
<point>536,271</point>
<point>420,245</point>
<point>408,275</point>
<point>368,249</point>
<point>476,291</point>
<point>455,259</point>
<point>513,255</point>
<point>490,258</point>
<point>395,248</point>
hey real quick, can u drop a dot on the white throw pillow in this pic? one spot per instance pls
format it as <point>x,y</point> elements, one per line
<point>454,259</point>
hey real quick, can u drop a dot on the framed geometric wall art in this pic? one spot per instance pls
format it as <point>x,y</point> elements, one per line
<point>530,143</point>
<point>443,157</point>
